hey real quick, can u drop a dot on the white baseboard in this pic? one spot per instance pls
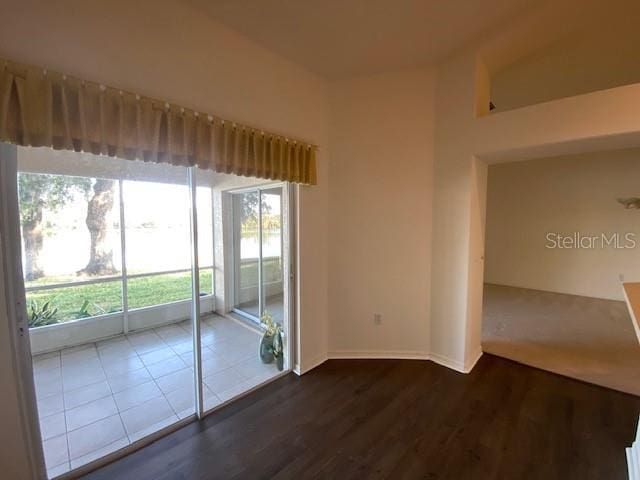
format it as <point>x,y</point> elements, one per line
<point>401,355</point>
<point>457,365</point>
<point>471,363</point>
<point>377,354</point>
<point>389,355</point>
<point>448,362</point>
<point>310,365</point>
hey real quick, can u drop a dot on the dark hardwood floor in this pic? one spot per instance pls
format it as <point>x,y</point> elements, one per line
<point>402,419</point>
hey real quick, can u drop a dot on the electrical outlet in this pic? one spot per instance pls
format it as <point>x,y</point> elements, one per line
<point>377,319</point>
<point>621,277</point>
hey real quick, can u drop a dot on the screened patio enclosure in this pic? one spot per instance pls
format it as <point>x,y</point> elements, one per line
<point>105,256</point>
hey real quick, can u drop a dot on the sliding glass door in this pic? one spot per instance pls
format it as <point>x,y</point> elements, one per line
<point>107,249</point>
<point>258,253</point>
<point>119,273</point>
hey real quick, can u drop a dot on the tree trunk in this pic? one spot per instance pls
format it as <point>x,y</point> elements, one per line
<point>101,254</point>
<point>33,239</point>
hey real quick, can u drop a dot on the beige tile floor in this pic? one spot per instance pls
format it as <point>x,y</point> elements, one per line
<point>100,397</point>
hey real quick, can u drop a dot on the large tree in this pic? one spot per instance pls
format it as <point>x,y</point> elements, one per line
<point>98,209</point>
<point>38,192</point>
<point>249,209</point>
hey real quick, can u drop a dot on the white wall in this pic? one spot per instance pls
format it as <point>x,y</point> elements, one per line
<point>380,223</point>
<point>528,200</point>
<point>600,55</point>
<point>455,102</point>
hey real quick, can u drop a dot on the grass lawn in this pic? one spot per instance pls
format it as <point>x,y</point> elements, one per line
<point>142,292</point>
<point>107,297</point>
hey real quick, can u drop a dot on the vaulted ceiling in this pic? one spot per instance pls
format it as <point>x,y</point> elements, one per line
<point>342,38</point>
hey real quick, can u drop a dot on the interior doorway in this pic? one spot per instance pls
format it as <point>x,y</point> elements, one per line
<point>562,246</point>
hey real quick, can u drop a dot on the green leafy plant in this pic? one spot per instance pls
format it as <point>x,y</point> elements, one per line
<point>85,310</point>
<point>271,327</point>
<point>41,315</point>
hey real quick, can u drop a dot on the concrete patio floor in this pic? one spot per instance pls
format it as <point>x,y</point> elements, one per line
<point>100,397</point>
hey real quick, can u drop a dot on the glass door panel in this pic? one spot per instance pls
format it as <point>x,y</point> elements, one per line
<point>107,265</point>
<point>272,241</point>
<point>246,221</point>
<point>204,203</point>
<point>236,355</point>
<point>70,228</point>
<point>157,226</point>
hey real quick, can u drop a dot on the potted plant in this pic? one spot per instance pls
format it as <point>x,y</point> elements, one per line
<point>271,343</point>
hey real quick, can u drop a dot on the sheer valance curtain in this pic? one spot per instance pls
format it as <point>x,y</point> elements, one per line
<point>48,109</point>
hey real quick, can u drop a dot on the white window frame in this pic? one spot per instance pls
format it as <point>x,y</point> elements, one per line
<point>288,240</point>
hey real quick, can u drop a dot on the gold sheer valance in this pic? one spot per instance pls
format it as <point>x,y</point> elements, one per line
<point>48,109</point>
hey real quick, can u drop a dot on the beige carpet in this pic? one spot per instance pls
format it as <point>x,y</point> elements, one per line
<point>584,338</point>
